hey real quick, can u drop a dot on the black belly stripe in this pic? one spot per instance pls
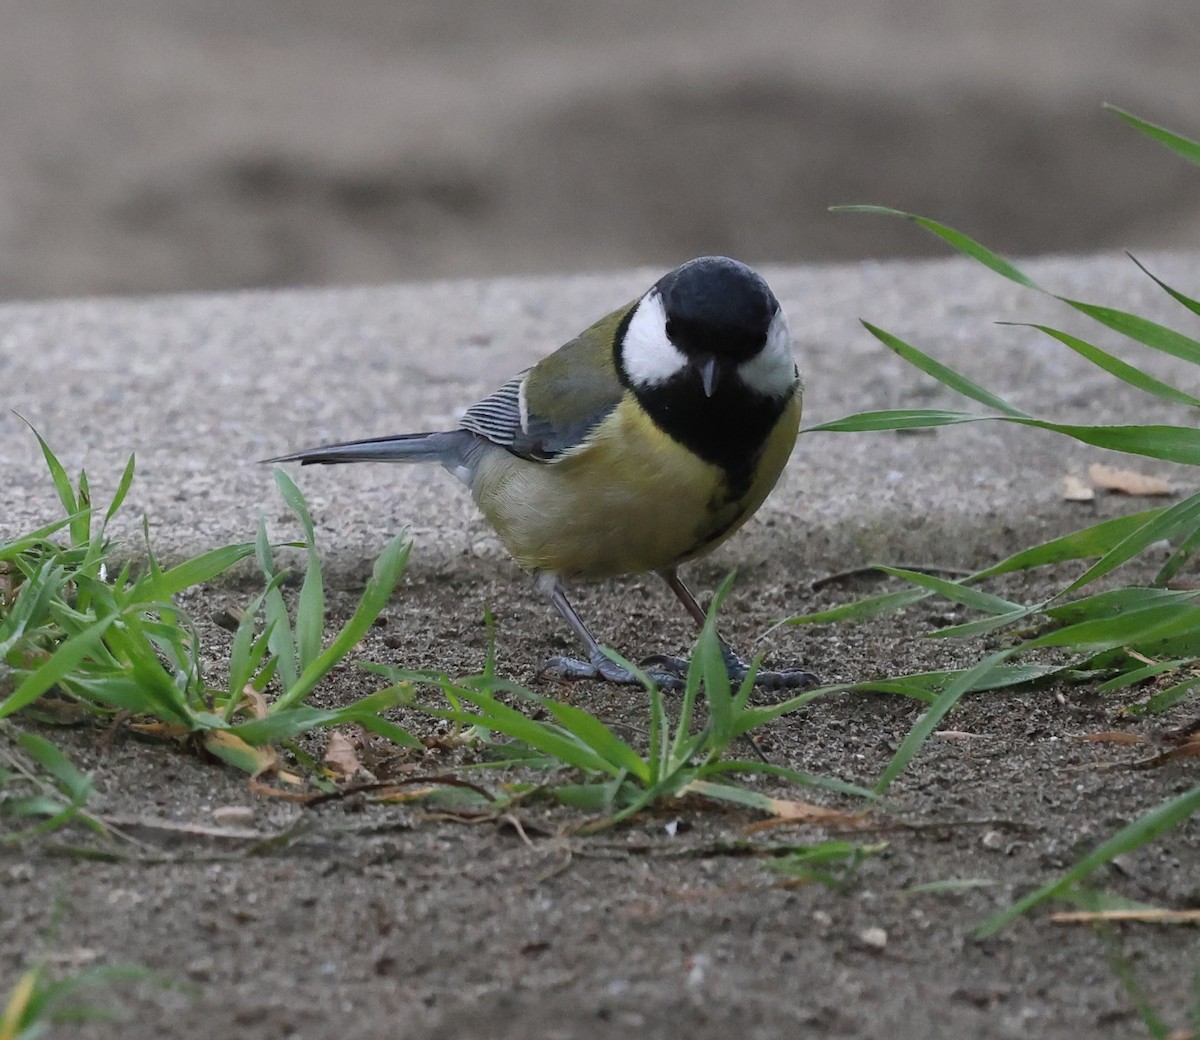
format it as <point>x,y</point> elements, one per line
<point>729,429</point>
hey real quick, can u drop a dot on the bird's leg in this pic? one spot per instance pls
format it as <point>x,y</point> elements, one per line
<point>737,668</point>
<point>597,666</point>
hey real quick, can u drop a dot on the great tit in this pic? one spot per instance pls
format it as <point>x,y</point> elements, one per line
<point>641,444</point>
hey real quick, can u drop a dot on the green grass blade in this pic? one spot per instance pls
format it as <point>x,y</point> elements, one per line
<point>929,721</point>
<point>381,727</point>
<point>283,646</point>
<point>1141,832</point>
<point>955,591</point>
<point>589,730</point>
<point>26,542</point>
<point>1170,443</point>
<point>1136,676</point>
<point>1112,602</point>
<point>62,483</point>
<point>736,795</point>
<point>967,246</point>
<point>1163,524</point>
<point>862,609</point>
<point>32,607</point>
<point>893,419</point>
<point>122,490</point>
<point>160,586</point>
<point>310,613</point>
<point>117,690</point>
<point>1168,698</point>
<point>81,526</point>
<point>386,574</point>
<point>71,781</point>
<point>247,651</point>
<point>1137,628</point>
<point>60,664</point>
<point>303,718</point>
<point>982,626</point>
<point>658,739</point>
<point>1179,558</point>
<point>1181,146</point>
<point>1178,297</point>
<point>310,607</point>
<point>941,373</point>
<point>1079,545</point>
<point>1141,330</point>
<point>1135,377</point>
<point>717,687</point>
<point>550,740</point>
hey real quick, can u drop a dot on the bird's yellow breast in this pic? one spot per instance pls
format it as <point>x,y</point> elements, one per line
<point>629,499</point>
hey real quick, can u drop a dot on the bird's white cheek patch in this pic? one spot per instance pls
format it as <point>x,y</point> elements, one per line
<point>772,371</point>
<point>650,358</point>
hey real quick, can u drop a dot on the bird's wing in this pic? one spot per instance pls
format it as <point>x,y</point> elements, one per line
<point>549,409</point>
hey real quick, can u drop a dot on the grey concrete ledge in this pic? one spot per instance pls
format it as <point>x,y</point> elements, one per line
<point>200,387</point>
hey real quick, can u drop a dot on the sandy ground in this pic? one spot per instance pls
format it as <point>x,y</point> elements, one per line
<point>204,144</point>
<point>365,921</point>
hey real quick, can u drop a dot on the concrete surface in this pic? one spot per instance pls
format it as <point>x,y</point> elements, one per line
<point>203,387</point>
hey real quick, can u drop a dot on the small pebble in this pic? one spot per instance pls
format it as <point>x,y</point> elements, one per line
<point>875,938</point>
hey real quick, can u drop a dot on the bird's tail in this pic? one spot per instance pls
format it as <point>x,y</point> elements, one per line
<point>447,448</point>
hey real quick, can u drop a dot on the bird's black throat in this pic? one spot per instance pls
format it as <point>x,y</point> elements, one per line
<point>728,429</point>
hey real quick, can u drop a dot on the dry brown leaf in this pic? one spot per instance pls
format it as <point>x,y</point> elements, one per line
<point>788,813</point>
<point>254,702</point>
<point>1189,750</point>
<point>1114,737</point>
<point>340,757</point>
<point>161,730</point>
<point>270,791</point>
<point>1077,490</point>
<point>1126,481</point>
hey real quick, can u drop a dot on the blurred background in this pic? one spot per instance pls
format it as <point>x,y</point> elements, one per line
<point>152,145</point>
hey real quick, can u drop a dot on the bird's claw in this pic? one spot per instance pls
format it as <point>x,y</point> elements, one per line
<point>602,667</point>
<point>670,673</point>
<point>788,679</point>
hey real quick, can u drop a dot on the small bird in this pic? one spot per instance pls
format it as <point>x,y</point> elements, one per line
<point>641,444</point>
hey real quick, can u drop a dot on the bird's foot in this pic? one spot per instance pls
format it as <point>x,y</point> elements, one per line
<point>788,679</point>
<point>601,667</point>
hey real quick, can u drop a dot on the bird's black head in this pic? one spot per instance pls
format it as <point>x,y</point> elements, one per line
<point>718,308</point>
<point>708,354</point>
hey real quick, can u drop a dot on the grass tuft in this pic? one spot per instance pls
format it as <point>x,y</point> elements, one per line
<point>120,644</point>
<point>1113,639</point>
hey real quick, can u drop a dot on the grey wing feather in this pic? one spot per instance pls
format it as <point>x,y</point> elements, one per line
<point>498,416</point>
<point>505,419</point>
<point>549,410</point>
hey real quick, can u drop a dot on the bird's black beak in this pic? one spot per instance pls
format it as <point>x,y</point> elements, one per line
<point>710,375</point>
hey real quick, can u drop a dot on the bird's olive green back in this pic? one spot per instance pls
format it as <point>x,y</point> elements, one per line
<point>570,392</point>
<point>578,382</point>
